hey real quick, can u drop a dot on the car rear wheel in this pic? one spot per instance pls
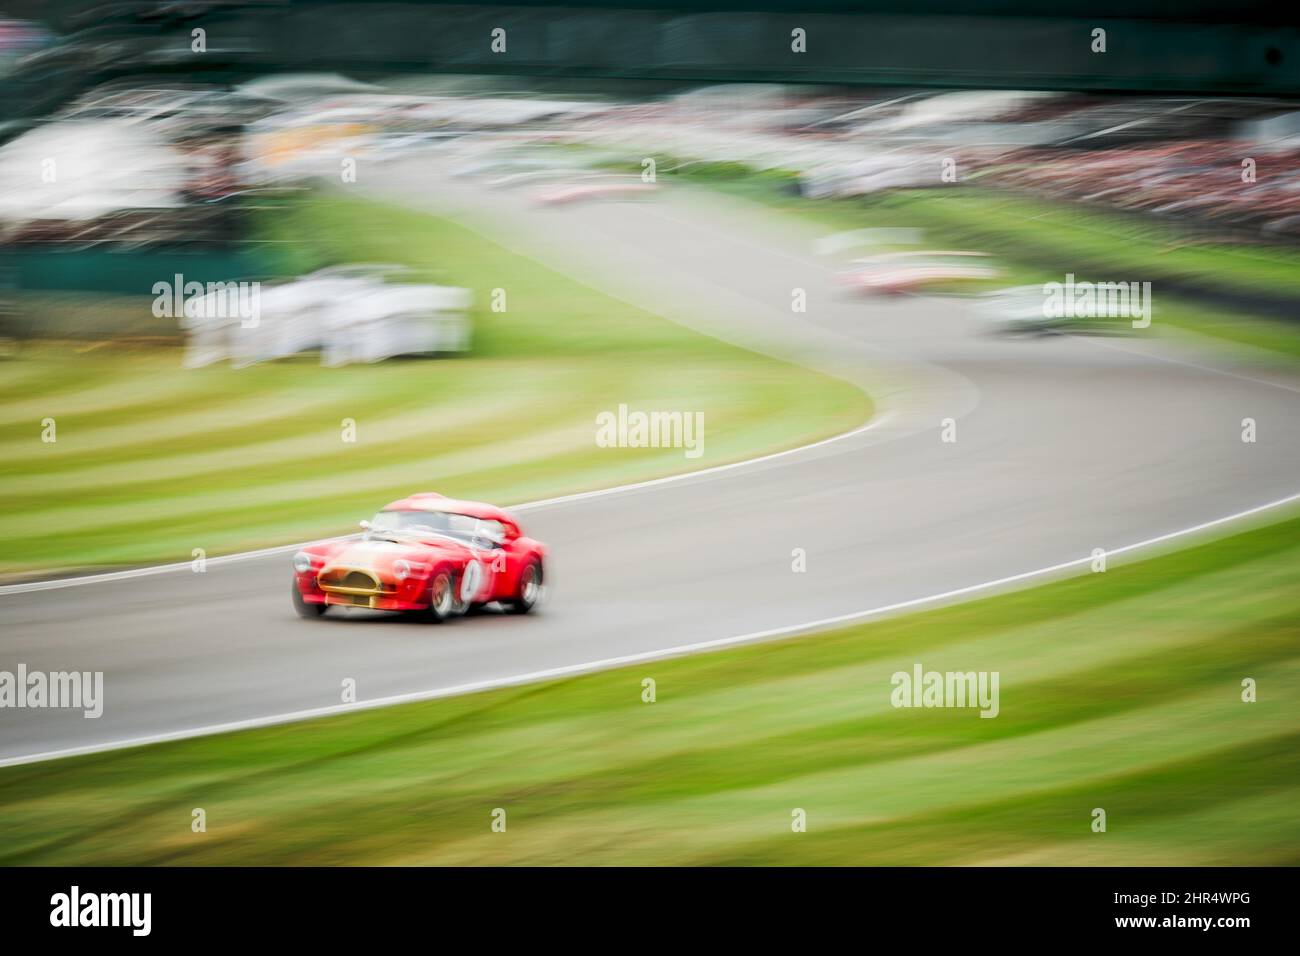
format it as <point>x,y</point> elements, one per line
<point>442,597</point>
<point>529,590</point>
<point>305,608</point>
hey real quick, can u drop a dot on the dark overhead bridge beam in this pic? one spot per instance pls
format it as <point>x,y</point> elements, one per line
<point>1042,52</point>
<point>1024,46</point>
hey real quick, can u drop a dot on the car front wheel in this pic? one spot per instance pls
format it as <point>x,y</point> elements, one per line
<point>305,608</point>
<point>529,589</point>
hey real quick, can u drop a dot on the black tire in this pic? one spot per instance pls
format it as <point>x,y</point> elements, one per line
<point>442,596</point>
<point>529,591</point>
<point>305,608</point>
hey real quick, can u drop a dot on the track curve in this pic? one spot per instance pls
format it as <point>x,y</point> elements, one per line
<point>1063,445</point>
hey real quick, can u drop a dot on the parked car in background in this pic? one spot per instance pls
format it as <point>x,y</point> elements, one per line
<point>354,313</point>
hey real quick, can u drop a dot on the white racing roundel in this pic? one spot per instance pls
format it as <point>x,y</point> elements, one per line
<point>473,578</point>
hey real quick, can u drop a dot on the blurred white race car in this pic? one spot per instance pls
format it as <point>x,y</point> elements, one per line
<point>1022,310</point>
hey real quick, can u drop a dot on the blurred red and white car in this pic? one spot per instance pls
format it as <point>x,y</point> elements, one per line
<point>425,553</point>
<point>892,273</point>
<point>581,192</point>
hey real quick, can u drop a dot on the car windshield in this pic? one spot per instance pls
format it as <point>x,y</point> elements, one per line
<point>461,526</point>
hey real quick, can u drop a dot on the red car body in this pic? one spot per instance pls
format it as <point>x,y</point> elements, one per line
<point>415,550</point>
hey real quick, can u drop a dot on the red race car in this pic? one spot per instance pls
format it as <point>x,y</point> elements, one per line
<point>424,553</point>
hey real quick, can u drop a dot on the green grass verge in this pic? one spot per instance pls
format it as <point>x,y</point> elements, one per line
<point>152,460</point>
<point>1119,690</point>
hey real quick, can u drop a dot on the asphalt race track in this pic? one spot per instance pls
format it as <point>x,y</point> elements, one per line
<point>1064,444</point>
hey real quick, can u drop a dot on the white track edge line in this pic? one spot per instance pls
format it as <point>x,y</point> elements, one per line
<point>571,670</point>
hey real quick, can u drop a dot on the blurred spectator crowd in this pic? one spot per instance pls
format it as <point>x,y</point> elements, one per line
<point>1220,162</point>
<point>1202,179</point>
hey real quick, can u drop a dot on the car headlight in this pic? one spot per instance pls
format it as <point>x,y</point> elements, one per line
<point>302,562</point>
<point>402,568</point>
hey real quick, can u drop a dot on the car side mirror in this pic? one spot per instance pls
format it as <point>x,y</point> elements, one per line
<point>365,525</point>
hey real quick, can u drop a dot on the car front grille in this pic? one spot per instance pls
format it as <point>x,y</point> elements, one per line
<point>351,581</point>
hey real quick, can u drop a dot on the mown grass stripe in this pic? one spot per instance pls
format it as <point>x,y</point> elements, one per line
<point>231,419</point>
<point>677,829</point>
<point>101,527</point>
<point>390,434</point>
<point>1154,812</point>
<point>393,430</point>
<point>1257,829</point>
<point>107,383</point>
<point>698,764</point>
<point>184,504</point>
<point>136,391</point>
